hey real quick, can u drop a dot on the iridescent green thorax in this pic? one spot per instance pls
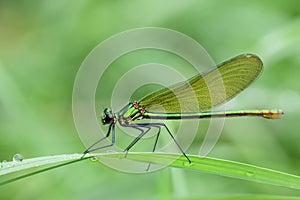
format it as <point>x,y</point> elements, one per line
<point>130,112</point>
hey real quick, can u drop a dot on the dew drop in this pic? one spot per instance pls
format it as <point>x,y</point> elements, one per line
<point>93,159</point>
<point>187,163</point>
<point>4,163</point>
<point>250,174</point>
<point>18,157</point>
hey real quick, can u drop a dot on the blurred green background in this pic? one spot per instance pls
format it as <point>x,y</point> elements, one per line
<point>43,43</point>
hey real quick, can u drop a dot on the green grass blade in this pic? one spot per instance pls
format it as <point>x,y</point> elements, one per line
<point>13,171</point>
<point>13,166</point>
<point>220,167</point>
<point>228,168</point>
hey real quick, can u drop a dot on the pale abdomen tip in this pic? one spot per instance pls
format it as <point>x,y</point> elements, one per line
<point>273,114</point>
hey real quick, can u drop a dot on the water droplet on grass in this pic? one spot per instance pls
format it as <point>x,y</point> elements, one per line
<point>187,163</point>
<point>93,159</point>
<point>250,174</point>
<point>18,157</point>
<point>4,164</point>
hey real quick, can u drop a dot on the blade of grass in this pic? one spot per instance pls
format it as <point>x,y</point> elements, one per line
<point>220,167</point>
<point>12,170</point>
<point>36,172</point>
<point>210,165</point>
<point>13,166</point>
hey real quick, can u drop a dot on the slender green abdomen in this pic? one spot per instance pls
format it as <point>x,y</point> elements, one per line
<point>270,114</point>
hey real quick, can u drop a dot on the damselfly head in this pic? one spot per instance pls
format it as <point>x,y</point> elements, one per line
<point>108,116</point>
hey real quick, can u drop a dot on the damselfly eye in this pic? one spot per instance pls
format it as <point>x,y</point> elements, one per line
<point>107,116</point>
